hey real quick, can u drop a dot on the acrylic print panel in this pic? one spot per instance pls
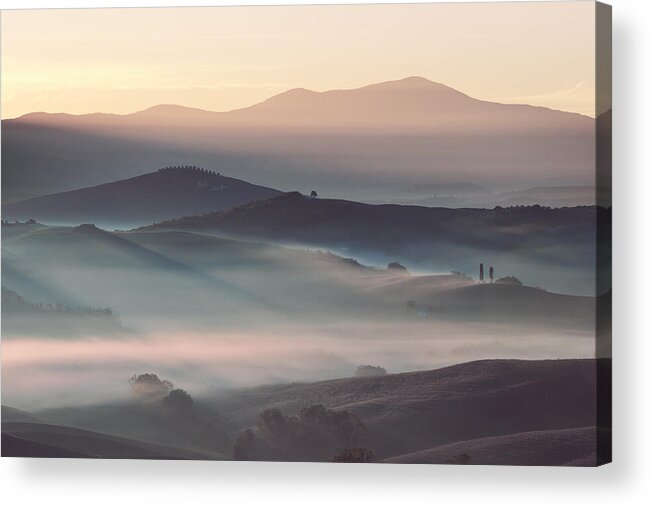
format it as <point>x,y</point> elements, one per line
<point>360,233</point>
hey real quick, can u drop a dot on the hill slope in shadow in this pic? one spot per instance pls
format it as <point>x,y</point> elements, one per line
<point>553,248</point>
<point>510,412</point>
<point>415,411</point>
<point>156,196</point>
<point>575,447</point>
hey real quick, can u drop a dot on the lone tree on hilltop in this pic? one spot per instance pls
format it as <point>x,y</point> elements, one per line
<point>481,273</point>
<point>491,273</point>
<point>313,194</point>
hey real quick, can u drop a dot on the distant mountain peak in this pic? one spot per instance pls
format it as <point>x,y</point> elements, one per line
<point>169,110</point>
<point>411,83</point>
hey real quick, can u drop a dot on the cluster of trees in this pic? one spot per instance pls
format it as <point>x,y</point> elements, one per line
<point>175,408</point>
<point>461,274</point>
<point>149,387</point>
<point>31,221</point>
<point>316,433</point>
<point>396,266</point>
<point>506,280</point>
<point>509,280</point>
<point>11,299</point>
<point>491,273</point>
<point>87,227</point>
<point>189,167</point>
<point>355,456</point>
<point>366,371</point>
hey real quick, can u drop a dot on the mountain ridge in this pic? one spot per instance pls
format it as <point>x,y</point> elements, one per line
<point>412,83</point>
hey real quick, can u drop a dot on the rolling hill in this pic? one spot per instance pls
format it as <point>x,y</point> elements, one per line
<point>415,411</point>
<point>576,447</point>
<point>496,411</point>
<point>164,194</point>
<point>345,142</point>
<point>225,277</point>
<point>22,439</point>
<point>553,248</point>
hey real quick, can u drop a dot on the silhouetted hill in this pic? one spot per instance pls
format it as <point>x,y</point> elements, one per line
<point>46,440</point>
<point>553,248</point>
<point>410,103</point>
<point>166,193</point>
<point>410,131</point>
<point>13,446</point>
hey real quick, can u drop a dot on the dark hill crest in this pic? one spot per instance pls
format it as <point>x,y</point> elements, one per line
<point>169,192</point>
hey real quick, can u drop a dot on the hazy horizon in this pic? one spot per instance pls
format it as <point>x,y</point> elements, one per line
<point>59,61</point>
<point>274,95</point>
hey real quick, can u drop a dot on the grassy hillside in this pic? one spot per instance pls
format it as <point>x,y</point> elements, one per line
<point>412,411</point>
<point>37,439</point>
<point>495,411</point>
<point>576,447</point>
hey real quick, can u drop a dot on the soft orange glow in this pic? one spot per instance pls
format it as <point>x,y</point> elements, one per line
<point>123,60</point>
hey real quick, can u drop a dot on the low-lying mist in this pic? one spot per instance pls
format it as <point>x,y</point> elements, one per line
<point>41,373</point>
<point>85,309</point>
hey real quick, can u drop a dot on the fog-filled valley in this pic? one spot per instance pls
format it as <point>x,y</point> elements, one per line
<point>248,313</point>
<point>105,333</point>
<point>432,294</point>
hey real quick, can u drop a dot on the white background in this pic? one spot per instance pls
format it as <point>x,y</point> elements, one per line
<point>625,482</point>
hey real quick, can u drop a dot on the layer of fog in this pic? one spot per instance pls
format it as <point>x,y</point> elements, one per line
<point>40,373</point>
<point>210,313</point>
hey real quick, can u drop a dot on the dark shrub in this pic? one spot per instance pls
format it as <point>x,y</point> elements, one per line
<point>149,386</point>
<point>179,401</point>
<point>370,371</point>
<point>396,266</point>
<point>509,280</point>
<point>355,455</point>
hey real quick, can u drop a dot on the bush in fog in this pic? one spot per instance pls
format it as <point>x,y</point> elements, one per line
<point>396,266</point>
<point>179,401</point>
<point>509,280</point>
<point>370,370</point>
<point>355,455</point>
<point>149,386</point>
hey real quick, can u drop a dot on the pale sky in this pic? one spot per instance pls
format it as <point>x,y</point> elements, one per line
<point>223,58</point>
